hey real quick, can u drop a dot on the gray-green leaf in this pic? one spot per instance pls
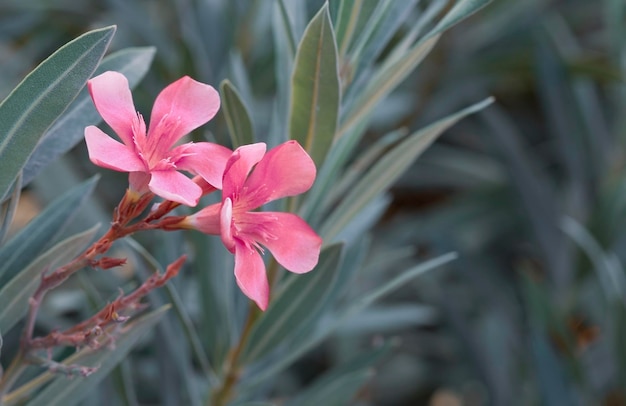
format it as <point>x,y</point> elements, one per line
<point>315,92</point>
<point>32,107</point>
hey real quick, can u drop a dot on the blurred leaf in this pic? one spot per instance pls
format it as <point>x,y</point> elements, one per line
<point>302,347</point>
<point>384,318</point>
<point>237,116</point>
<point>339,385</point>
<point>43,230</point>
<point>386,78</point>
<point>461,10</point>
<point>607,265</point>
<point>337,392</point>
<point>42,96</point>
<point>294,306</point>
<point>8,210</point>
<point>550,373</point>
<point>68,130</point>
<point>387,170</point>
<point>63,391</point>
<point>382,25</point>
<point>15,294</point>
<point>290,37</point>
<point>315,89</point>
<point>216,290</point>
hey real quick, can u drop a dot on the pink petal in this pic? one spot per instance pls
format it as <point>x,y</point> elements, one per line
<point>226,221</point>
<point>250,275</point>
<point>111,95</point>
<point>104,151</point>
<point>207,220</point>
<point>179,109</point>
<point>290,239</point>
<point>238,167</point>
<point>286,170</point>
<point>175,186</point>
<point>203,158</point>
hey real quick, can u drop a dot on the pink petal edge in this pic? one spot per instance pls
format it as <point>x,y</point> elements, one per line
<point>112,97</point>
<point>293,243</point>
<point>250,275</point>
<point>203,158</point>
<point>239,165</point>
<point>286,170</point>
<point>104,151</point>
<point>175,186</point>
<point>180,108</point>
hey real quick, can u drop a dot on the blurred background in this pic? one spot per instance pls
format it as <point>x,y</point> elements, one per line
<point>530,193</point>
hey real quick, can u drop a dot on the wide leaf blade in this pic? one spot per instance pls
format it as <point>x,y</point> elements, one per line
<point>68,130</point>
<point>237,116</point>
<point>315,92</point>
<point>32,107</point>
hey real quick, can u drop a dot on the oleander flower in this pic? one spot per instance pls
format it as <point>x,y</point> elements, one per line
<point>286,170</point>
<point>150,156</point>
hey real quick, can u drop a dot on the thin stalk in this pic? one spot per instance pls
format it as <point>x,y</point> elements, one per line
<point>222,395</point>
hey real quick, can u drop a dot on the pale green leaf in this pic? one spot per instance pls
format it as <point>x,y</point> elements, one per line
<point>314,339</point>
<point>315,92</point>
<point>386,78</point>
<point>68,130</point>
<point>336,387</point>
<point>294,305</point>
<point>43,230</point>
<point>461,10</point>
<point>337,392</point>
<point>32,107</point>
<point>67,392</point>
<point>237,116</point>
<point>9,208</point>
<point>15,294</point>
<point>387,170</point>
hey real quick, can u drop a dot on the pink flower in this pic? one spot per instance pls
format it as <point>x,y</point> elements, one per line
<point>286,170</point>
<point>150,157</point>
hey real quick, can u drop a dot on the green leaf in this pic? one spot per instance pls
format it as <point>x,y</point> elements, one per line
<point>302,347</point>
<point>64,391</point>
<point>32,107</point>
<point>9,208</point>
<point>237,116</point>
<point>315,89</point>
<point>382,25</point>
<point>338,392</point>
<point>43,230</point>
<point>15,294</point>
<point>294,305</point>
<point>338,386</point>
<point>461,10</point>
<point>386,78</point>
<point>382,175</point>
<point>68,130</point>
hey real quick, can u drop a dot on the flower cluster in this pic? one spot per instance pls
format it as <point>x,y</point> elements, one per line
<point>248,177</point>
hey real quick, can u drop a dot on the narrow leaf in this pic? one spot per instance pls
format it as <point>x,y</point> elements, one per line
<point>32,107</point>
<point>295,305</point>
<point>43,230</point>
<point>461,10</point>
<point>315,90</point>
<point>15,294</point>
<point>316,338</point>
<point>382,175</point>
<point>68,130</point>
<point>390,75</point>
<point>9,208</point>
<point>237,116</point>
<point>334,387</point>
<point>64,391</point>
